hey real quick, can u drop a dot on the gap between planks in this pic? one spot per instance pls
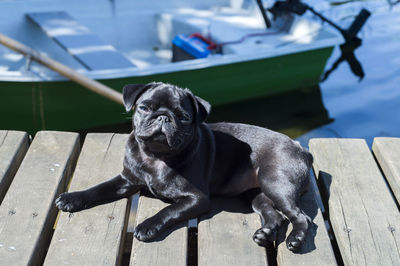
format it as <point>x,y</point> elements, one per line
<point>13,147</point>
<point>387,154</point>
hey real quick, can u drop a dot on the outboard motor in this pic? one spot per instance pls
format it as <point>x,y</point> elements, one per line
<point>297,7</point>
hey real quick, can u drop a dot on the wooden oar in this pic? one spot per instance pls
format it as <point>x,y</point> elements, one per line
<point>62,69</point>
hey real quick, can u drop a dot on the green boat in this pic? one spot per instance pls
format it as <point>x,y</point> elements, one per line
<point>124,41</point>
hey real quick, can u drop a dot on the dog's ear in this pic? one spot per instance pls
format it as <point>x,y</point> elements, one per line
<point>201,107</point>
<point>131,93</point>
<point>204,109</point>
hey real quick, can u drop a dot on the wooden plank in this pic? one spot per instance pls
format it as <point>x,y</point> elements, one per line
<point>170,248</point>
<point>387,152</point>
<point>317,249</point>
<point>27,213</point>
<point>363,214</point>
<point>13,146</point>
<point>94,236</point>
<point>225,236</point>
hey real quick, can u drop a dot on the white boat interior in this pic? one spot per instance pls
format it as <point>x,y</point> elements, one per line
<point>142,32</point>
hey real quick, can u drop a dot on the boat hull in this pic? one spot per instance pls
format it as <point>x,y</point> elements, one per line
<point>65,105</point>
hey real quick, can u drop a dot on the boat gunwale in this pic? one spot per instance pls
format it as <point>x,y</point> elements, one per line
<point>214,61</point>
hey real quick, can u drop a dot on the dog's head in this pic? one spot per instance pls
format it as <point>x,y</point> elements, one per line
<point>165,116</point>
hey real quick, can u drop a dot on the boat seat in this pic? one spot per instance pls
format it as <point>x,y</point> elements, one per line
<point>91,51</point>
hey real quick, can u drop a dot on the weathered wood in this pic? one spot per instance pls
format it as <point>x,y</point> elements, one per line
<point>225,236</point>
<point>168,249</point>
<point>387,152</point>
<point>94,236</point>
<point>27,213</point>
<point>13,146</point>
<point>317,249</point>
<point>363,214</point>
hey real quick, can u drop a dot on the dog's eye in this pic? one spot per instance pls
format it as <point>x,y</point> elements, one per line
<point>144,108</point>
<point>185,118</point>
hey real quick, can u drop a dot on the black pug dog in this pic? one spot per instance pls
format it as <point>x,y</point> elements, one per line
<point>172,154</point>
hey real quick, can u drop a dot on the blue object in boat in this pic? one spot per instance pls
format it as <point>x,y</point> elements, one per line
<point>192,45</point>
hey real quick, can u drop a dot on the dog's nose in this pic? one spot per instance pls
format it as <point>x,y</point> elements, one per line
<point>164,118</point>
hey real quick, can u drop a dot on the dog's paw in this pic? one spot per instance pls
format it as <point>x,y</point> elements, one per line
<point>264,236</point>
<point>147,230</point>
<point>70,202</point>
<point>295,240</point>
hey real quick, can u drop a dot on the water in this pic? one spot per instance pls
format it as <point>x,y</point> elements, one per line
<point>368,108</point>
<point>347,106</point>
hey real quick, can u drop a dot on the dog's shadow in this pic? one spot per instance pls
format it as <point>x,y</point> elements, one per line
<point>218,205</point>
<point>238,205</point>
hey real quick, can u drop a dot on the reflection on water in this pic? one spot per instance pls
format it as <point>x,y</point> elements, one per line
<point>347,54</point>
<point>293,113</point>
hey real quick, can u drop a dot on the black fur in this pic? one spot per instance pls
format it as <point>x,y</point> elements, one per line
<point>174,155</point>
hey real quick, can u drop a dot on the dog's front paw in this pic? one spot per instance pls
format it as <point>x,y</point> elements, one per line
<point>147,230</point>
<point>71,202</point>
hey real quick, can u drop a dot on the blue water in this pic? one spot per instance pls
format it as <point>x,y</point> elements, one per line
<point>371,107</point>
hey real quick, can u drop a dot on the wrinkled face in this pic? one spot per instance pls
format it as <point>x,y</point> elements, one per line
<point>163,119</point>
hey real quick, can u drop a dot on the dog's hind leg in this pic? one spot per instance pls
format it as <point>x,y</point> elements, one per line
<point>285,191</point>
<point>271,219</point>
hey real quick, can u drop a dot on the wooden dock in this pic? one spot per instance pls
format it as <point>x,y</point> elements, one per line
<point>353,201</point>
